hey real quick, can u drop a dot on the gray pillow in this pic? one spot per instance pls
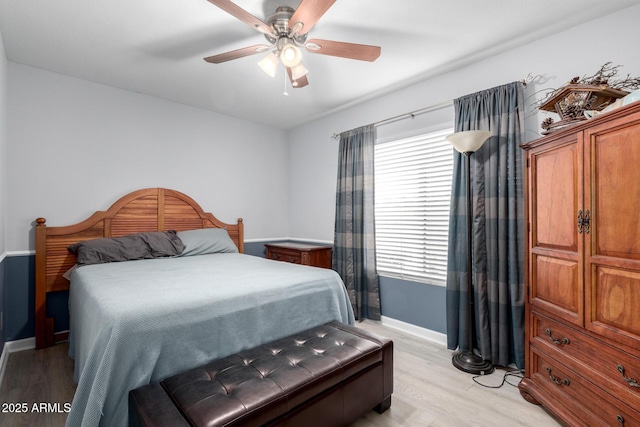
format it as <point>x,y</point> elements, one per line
<point>126,248</point>
<point>162,243</point>
<point>206,241</point>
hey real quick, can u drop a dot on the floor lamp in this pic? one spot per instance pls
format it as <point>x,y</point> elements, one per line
<point>467,143</point>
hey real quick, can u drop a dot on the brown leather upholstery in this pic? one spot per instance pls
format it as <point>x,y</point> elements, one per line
<point>328,375</point>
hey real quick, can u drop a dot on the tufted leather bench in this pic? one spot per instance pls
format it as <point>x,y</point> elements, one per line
<point>329,375</point>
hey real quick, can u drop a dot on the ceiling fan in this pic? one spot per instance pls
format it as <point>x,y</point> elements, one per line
<point>286,31</point>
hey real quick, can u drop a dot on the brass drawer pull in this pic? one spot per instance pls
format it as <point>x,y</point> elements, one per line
<point>556,380</point>
<point>630,381</point>
<point>556,341</point>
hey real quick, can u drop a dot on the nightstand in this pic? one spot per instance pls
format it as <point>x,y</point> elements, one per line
<point>300,253</point>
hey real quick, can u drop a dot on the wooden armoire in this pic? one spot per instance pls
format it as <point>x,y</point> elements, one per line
<point>582,262</point>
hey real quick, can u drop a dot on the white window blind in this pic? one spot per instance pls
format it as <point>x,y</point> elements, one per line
<point>412,193</point>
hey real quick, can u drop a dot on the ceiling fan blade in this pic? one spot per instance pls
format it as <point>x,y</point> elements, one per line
<point>297,84</point>
<point>308,13</point>
<point>238,12</point>
<point>238,53</point>
<point>362,52</point>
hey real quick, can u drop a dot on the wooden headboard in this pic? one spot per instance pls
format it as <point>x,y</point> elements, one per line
<point>150,209</point>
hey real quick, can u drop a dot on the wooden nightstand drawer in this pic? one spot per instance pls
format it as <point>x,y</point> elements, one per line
<point>292,256</point>
<point>300,253</point>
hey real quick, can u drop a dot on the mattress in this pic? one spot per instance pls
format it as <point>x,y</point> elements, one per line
<point>135,322</point>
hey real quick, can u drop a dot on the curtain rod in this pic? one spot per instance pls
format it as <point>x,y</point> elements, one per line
<point>527,80</point>
<point>411,114</point>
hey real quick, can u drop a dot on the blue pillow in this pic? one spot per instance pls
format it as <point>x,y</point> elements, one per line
<point>206,241</point>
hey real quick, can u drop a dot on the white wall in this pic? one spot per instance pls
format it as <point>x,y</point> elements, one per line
<point>3,144</point>
<point>577,51</point>
<point>76,147</point>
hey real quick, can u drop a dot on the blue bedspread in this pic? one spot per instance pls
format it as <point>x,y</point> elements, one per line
<point>140,321</point>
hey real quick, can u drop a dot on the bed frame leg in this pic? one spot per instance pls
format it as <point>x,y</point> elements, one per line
<point>49,338</point>
<point>383,406</point>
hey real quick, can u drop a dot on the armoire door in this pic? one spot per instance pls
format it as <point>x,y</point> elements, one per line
<point>612,261</point>
<point>555,202</point>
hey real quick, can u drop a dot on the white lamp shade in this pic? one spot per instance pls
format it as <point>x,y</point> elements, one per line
<point>468,141</point>
<point>269,64</point>
<point>290,55</point>
<point>298,71</point>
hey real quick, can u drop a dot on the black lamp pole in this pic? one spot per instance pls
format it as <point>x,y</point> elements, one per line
<point>468,361</point>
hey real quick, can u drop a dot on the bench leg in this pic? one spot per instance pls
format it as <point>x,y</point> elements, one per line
<point>383,406</point>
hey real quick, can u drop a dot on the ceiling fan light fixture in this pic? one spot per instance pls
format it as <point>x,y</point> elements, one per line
<point>290,55</point>
<point>269,64</point>
<point>298,71</point>
<point>287,30</point>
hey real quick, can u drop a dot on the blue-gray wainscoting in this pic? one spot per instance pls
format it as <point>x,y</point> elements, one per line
<point>415,303</point>
<point>410,302</point>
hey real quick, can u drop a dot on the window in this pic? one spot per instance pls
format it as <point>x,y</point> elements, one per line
<point>412,194</point>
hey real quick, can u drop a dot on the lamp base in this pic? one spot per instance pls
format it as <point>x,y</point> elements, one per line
<point>471,363</point>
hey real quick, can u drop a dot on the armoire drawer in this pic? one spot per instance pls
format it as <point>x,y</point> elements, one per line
<point>610,368</point>
<point>571,391</point>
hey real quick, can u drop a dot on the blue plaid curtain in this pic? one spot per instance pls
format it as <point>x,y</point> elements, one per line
<point>354,255</point>
<point>498,241</point>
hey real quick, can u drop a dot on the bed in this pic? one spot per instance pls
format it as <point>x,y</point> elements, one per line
<point>135,322</point>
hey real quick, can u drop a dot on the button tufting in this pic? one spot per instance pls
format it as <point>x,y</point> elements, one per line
<point>297,371</point>
<point>293,362</point>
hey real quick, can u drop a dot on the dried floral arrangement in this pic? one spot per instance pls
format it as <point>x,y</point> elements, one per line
<point>606,75</point>
<point>593,92</point>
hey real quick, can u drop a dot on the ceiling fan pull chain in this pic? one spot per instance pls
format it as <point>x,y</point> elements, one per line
<point>285,93</point>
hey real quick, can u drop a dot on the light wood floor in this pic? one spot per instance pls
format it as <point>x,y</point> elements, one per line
<point>428,390</point>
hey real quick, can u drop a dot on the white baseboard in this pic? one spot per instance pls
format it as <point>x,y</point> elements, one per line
<point>424,333</point>
<point>20,345</point>
<point>13,347</point>
<point>3,363</point>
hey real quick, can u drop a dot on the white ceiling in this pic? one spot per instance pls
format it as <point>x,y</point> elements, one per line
<point>156,47</point>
